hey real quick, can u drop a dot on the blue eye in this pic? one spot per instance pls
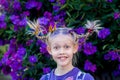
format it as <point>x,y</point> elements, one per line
<point>67,46</point>
<point>56,47</point>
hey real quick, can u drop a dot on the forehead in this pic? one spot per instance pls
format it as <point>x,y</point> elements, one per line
<point>61,39</point>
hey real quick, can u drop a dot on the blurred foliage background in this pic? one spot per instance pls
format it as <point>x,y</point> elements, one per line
<point>24,57</point>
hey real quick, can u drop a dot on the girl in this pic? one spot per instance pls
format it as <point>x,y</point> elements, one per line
<point>62,45</point>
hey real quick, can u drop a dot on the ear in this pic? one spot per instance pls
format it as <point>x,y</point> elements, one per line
<point>49,49</point>
<point>75,48</point>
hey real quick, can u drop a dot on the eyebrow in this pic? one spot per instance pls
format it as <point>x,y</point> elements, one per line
<point>58,44</point>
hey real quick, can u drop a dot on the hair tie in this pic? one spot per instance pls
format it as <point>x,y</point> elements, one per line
<point>36,29</point>
<point>52,29</point>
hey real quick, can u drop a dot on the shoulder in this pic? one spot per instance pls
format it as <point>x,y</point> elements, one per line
<point>45,77</point>
<point>85,76</point>
<point>88,77</point>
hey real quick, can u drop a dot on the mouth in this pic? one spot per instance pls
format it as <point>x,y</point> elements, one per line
<point>62,58</point>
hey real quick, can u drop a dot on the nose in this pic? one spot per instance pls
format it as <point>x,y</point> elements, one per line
<point>62,51</point>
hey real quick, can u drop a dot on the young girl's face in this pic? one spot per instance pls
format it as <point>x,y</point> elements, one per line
<point>62,49</point>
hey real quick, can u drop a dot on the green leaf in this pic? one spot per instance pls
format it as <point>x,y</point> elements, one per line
<point>9,31</point>
<point>104,47</point>
<point>63,6</point>
<point>68,13</point>
<point>119,37</point>
<point>3,48</point>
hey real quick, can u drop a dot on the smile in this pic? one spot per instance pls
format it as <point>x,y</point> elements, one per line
<point>62,58</point>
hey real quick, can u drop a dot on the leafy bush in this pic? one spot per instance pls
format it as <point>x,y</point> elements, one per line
<point>25,57</point>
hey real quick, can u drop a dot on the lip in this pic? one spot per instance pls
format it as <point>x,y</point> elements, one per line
<point>62,58</point>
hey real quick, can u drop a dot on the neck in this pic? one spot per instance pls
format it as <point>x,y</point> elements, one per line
<point>61,70</point>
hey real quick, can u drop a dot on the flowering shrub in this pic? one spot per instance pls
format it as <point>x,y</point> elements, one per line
<point>26,57</point>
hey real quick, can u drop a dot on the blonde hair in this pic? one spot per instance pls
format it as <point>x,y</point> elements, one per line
<point>63,31</point>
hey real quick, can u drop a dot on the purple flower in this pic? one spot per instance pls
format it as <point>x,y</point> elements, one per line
<point>52,0</point>
<point>114,55</point>
<point>116,15</point>
<point>119,58</point>
<point>16,5</point>
<point>16,28</point>
<point>89,49</point>
<point>29,42</point>
<point>56,17</point>
<point>22,22</point>
<point>18,21</point>
<point>109,0</point>
<point>62,20</point>
<point>103,33</point>
<point>116,73</point>
<point>38,42</point>
<point>43,48</point>
<point>21,51</point>
<point>15,19</point>
<point>3,25</point>
<point>33,59</point>
<point>15,76</point>
<point>13,41</point>
<point>111,55</point>
<point>79,48</point>
<point>2,22</point>
<point>12,46</point>
<point>43,21</point>
<point>119,66</point>
<point>39,5</point>
<point>31,4</point>
<point>46,70</point>
<point>56,8</point>
<point>59,24</point>
<point>62,1</point>
<point>81,40</point>
<point>5,57</point>
<point>31,79</point>
<point>15,62</point>
<point>1,64</point>
<point>2,1</point>
<point>26,13</point>
<point>62,13</point>
<point>48,15</point>
<point>5,4</point>
<point>6,69</point>
<point>80,30</point>
<point>2,17</point>
<point>15,65</point>
<point>107,56</point>
<point>89,66</point>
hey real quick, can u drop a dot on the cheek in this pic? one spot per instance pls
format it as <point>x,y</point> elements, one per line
<point>71,50</point>
<point>54,53</point>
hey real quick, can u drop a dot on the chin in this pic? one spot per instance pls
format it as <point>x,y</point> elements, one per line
<point>63,64</point>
